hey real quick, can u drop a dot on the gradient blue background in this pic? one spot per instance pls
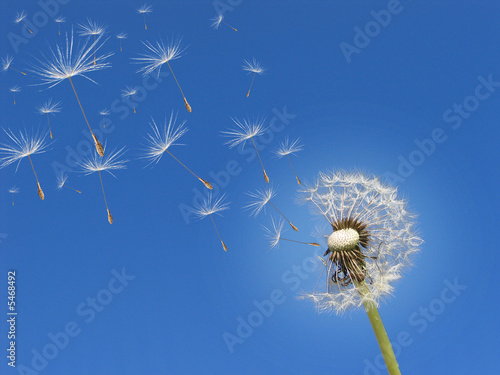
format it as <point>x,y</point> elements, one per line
<point>187,292</point>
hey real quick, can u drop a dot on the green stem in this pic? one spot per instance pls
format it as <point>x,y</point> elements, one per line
<point>378,327</point>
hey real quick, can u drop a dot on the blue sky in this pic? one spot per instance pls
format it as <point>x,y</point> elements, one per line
<point>428,77</point>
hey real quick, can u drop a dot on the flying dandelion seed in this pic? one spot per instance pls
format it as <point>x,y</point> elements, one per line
<point>6,64</point>
<point>20,147</point>
<point>13,190</point>
<point>288,148</point>
<point>371,240</point>
<point>20,17</point>
<point>129,91</point>
<point>61,182</point>
<point>108,163</point>
<point>59,20</point>
<point>120,37</point>
<point>211,206</point>
<point>104,112</point>
<point>217,20</point>
<point>253,67</point>
<point>14,89</point>
<point>159,54</point>
<point>62,64</point>
<point>92,29</point>
<point>145,9</point>
<point>48,108</point>
<point>273,233</point>
<point>246,130</point>
<point>159,142</point>
<point>263,197</point>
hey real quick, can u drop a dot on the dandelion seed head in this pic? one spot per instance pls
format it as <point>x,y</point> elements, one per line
<point>104,112</point>
<point>60,19</point>
<point>122,36</point>
<point>211,205</point>
<point>15,88</point>
<point>129,91</point>
<point>372,238</point>
<point>145,9</point>
<point>49,107</point>
<point>66,61</point>
<point>14,190</point>
<point>6,62</point>
<point>160,140</point>
<point>288,147</point>
<point>61,180</point>
<point>158,54</point>
<point>253,66</point>
<point>261,198</point>
<point>91,28</point>
<point>110,162</point>
<point>245,130</point>
<point>20,16</point>
<point>21,146</point>
<point>273,233</point>
<point>216,21</point>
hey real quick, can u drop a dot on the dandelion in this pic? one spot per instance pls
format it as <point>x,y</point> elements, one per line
<point>104,112</point>
<point>145,9</point>
<point>246,130</point>
<point>63,64</point>
<point>253,67</point>
<point>59,20</point>
<point>92,29</point>
<point>288,148</point>
<point>120,37</point>
<point>13,90</point>
<point>108,163</point>
<point>20,17</point>
<point>217,20</point>
<point>20,147</point>
<point>273,233</point>
<point>13,190</point>
<point>372,238</point>
<point>6,64</point>
<point>263,197</point>
<point>49,108</point>
<point>159,54</point>
<point>61,182</point>
<point>211,206</point>
<point>129,91</point>
<point>159,142</point>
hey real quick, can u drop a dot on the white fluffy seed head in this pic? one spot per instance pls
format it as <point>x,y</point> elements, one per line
<point>343,240</point>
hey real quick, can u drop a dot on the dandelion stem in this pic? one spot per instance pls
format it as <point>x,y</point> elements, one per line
<point>14,69</point>
<point>188,107</point>
<point>50,130</point>
<point>229,25</point>
<point>262,164</point>
<point>14,97</point>
<point>251,84</point>
<point>94,48</point>
<point>31,32</point>
<point>98,145</point>
<point>40,191</point>
<point>378,327</point>
<point>305,243</point>
<point>59,28</point>
<point>298,180</point>
<point>110,218</point>
<point>144,16</point>
<point>206,183</point>
<point>78,191</point>
<point>220,238</point>
<point>133,103</point>
<point>121,50</point>
<point>281,213</point>
<point>12,198</point>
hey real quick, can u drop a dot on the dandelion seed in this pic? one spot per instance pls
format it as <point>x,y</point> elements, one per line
<point>211,206</point>
<point>61,182</point>
<point>371,240</point>
<point>246,130</point>
<point>59,20</point>
<point>120,37</point>
<point>274,234</point>
<point>49,108</point>
<point>62,64</point>
<point>108,163</point>
<point>6,62</point>
<point>20,17</point>
<point>263,197</point>
<point>159,142</point>
<point>145,9</point>
<point>13,190</point>
<point>104,112</point>
<point>20,147</point>
<point>288,148</point>
<point>159,54</point>
<point>13,90</point>
<point>253,67</point>
<point>92,29</point>
<point>129,91</point>
<point>217,20</point>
